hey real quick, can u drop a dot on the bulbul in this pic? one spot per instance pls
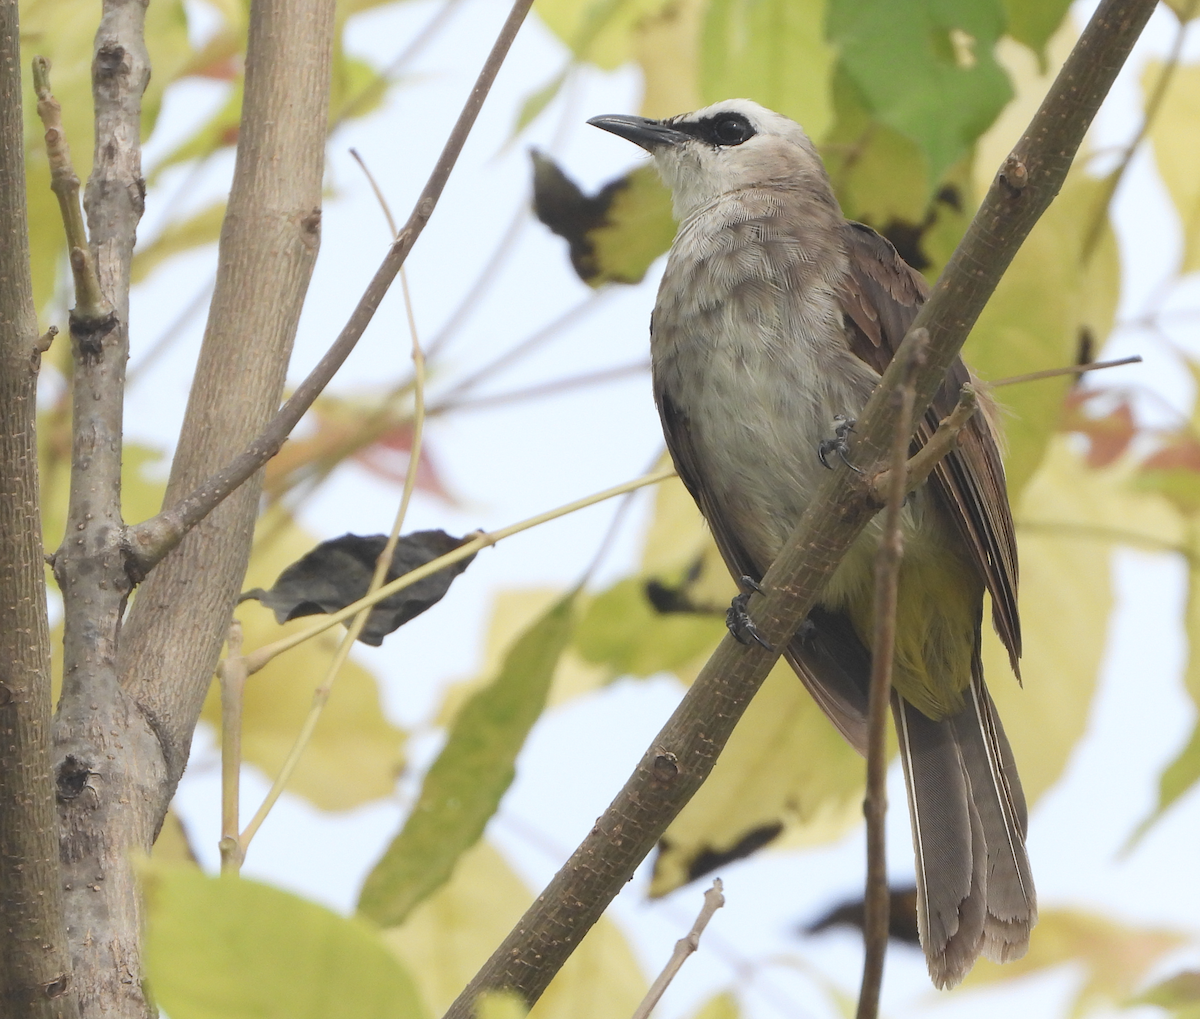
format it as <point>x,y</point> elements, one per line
<point>776,317</point>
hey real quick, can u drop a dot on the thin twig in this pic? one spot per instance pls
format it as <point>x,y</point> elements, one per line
<point>375,88</point>
<point>923,461</point>
<point>147,542</point>
<point>91,310</point>
<point>1153,103</point>
<point>485,539</point>
<point>528,345</point>
<point>544,389</point>
<point>487,276</point>
<point>232,675</point>
<point>887,580</point>
<point>164,341</point>
<point>382,565</point>
<point>1075,369</point>
<point>714,899</point>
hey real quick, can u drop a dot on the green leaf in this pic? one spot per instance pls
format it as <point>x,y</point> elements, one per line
<point>622,630</point>
<point>450,935</point>
<point>535,102</point>
<point>219,131</point>
<point>1033,22</point>
<point>1173,134</point>
<point>638,227</point>
<point>925,68</point>
<point>771,51</point>
<point>464,785</point>
<point>230,948</point>
<point>879,174</point>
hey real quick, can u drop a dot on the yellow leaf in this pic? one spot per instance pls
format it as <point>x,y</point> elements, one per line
<point>1115,958</point>
<point>500,1005</point>
<point>1176,151</point>
<point>453,932</point>
<point>785,777</point>
<point>1045,302</point>
<point>719,1006</point>
<point>638,227</point>
<point>172,845</point>
<point>513,611</point>
<point>601,32</point>
<point>355,754</point>
<point>1065,602</point>
<point>667,46</point>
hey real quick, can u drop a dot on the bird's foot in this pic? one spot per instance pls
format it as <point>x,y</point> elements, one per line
<point>737,618</point>
<point>839,444</point>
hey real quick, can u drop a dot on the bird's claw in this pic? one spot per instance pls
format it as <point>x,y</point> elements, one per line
<point>737,618</point>
<point>842,427</point>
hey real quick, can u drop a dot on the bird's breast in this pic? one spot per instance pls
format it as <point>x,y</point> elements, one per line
<point>748,345</point>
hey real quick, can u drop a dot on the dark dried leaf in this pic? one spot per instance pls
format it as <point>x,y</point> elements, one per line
<point>615,234</point>
<point>902,917</point>
<point>338,572</point>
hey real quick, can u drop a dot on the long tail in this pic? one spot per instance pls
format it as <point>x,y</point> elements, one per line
<point>975,891</point>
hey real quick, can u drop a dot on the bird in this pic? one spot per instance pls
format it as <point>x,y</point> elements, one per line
<point>775,318</point>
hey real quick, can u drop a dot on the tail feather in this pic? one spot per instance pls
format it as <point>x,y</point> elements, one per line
<point>974,886</point>
<point>1011,899</point>
<point>975,892</point>
<point>949,843</point>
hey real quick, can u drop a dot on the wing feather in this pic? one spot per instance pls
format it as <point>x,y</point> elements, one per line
<point>880,299</point>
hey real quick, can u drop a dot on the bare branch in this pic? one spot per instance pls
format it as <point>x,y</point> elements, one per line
<point>683,753</point>
<point>149,541</point>
<point>35,966</point>
<point>269,242</point>
<point>714,899</point>
<point>876,901</point>
<point>99,776</point>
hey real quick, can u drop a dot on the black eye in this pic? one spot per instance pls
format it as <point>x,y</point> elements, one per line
<point>730,129</point>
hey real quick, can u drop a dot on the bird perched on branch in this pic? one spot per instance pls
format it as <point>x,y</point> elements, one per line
<point>775,319</point>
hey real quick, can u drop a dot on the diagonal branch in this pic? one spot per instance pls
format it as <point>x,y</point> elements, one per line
<point>683,753</point>
<point>149,541</point>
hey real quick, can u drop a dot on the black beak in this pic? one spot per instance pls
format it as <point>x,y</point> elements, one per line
<point>649,134</point>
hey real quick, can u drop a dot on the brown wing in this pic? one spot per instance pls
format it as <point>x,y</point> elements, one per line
<point>880,299</point>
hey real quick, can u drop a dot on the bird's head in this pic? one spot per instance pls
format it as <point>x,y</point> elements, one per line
<point>727,147</point>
